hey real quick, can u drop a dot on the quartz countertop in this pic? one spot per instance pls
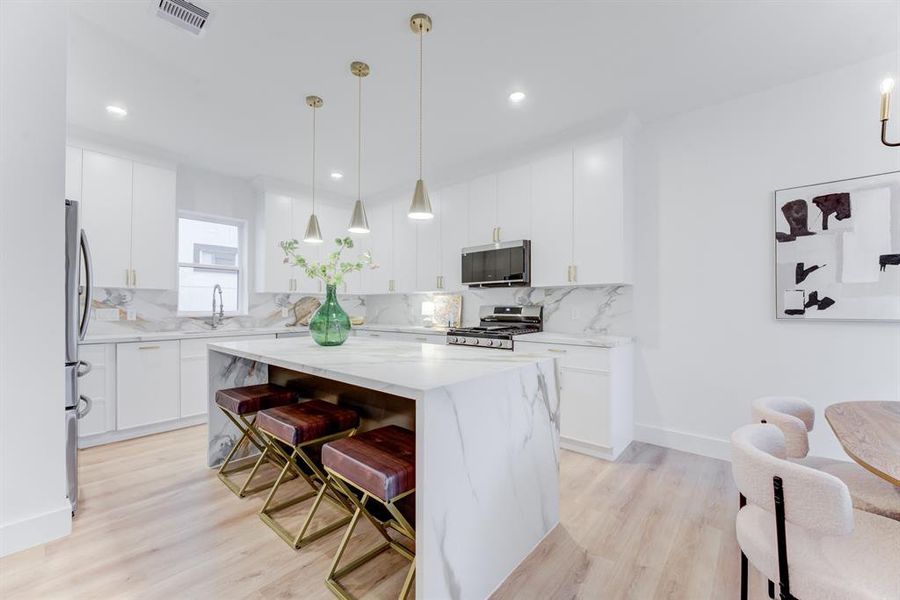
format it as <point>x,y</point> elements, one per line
<point>402,368</point>
<point>576,339</point>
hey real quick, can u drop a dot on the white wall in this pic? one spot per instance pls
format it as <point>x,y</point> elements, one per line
<point>704,306</point>
<point>33,504</point>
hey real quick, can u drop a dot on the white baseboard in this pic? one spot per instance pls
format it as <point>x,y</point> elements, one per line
<point>126,434</point>
<point>694,443</point>
<point>595,450</point>
<point>37,529</point>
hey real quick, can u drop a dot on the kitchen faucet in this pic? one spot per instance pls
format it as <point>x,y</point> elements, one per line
<point>217,318</point>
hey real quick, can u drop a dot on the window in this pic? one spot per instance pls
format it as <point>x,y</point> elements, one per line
<point>209,253</point>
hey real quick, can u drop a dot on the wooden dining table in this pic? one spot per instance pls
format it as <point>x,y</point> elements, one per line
<point>869,431</point>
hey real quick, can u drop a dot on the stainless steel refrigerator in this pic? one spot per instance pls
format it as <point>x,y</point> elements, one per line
<point>78,315</point>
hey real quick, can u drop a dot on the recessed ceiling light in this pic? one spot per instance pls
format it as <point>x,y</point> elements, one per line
<point>336,175</point>
<point>516,97</point>
<point>116,111</point>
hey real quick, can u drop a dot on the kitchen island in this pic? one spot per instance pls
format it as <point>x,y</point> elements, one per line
<point>487,440</point>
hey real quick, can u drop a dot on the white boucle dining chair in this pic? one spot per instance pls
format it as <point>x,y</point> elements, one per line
<point>795,417</point>
<point>799,529</point>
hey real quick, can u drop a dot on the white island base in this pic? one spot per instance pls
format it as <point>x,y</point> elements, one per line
<point>487,440</point>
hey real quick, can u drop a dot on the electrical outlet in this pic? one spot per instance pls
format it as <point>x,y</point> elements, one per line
<point>106,314</point>
<point>131,314</point>
<point>285,312</point>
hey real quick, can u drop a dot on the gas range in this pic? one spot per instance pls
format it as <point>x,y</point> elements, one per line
<point>498,325</point>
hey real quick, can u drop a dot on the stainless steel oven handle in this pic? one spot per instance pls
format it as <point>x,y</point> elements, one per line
<point>88,405</point>
<point>88,286</point>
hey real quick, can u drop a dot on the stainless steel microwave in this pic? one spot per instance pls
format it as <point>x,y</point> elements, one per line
<point>497,265</point>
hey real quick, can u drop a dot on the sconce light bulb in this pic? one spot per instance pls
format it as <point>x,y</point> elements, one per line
<point>887,86</point>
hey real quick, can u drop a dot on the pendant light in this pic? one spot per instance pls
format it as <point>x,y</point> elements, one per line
<point>421,205</point>
<point>358,222</point>
<point>313,233</point>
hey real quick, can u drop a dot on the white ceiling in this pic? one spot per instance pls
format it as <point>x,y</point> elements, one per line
<point>232,100</point>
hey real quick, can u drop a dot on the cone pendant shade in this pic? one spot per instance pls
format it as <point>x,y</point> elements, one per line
<point>421,205</point>
<point>359,223</point>
<point>313,233</point>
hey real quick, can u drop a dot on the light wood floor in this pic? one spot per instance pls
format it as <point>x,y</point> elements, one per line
<point>154,522</point>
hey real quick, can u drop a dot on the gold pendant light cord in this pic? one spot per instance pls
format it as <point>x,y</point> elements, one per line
<point>421,84</point>
<point>359,144</point>
<point>314,163</point>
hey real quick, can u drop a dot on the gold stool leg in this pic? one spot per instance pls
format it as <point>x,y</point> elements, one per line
<point>251,435</point>
<point>320,488</point>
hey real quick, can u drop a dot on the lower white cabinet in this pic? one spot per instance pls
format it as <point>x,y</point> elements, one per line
<point>596,399</point>
<point>147,383</point>
<point>98,384</point>
<point>194,380</point>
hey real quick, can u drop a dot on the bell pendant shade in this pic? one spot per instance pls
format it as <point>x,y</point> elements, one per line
<point>421,205</point>
<point>359,223</point>
<point>313,233</point>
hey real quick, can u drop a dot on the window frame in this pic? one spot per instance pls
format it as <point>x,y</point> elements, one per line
<point>240,268</point>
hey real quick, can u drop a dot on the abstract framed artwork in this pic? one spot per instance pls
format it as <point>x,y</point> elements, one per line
<point>837,250</point>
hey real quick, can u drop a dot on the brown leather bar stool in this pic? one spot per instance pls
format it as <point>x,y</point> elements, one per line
<point>292,432</point>
<point>380,465</point>
<point>239,404</point>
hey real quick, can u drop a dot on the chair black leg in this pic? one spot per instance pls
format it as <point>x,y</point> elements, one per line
<point>744,563</point>
<point>771,589</point>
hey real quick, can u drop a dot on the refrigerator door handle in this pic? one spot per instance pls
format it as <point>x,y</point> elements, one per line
<point>88,404</point>
<point>88,286</point>
<point>84,367</point>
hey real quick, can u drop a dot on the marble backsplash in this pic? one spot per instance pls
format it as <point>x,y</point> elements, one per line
<point>602,310</point>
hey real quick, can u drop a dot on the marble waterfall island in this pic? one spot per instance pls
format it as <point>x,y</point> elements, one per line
<point>487,440</point>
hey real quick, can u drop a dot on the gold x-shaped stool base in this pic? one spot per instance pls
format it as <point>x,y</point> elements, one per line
<point>398,523</point>
<point>250,435</point>
<point>320,488</point>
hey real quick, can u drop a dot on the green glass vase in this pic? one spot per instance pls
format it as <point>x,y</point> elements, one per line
<point>330,326</point>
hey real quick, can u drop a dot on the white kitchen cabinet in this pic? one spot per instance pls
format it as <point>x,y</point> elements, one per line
<point>106,216</point>
<point>73,173</point>
<point>428,247</point>
<point>551,220</point>
<point>128,210</point>
<point>154,241</point>
<point>380,244</point>
<point>403,255</point>
<point>276,216</point>
<point>99,384</point>
<point>147,383</point>
<point>514,204</point>
<point>596,396</point>
<point>194,378</point>
<point>600,250</point>
<point>482,209</point>
<point>454,234</point>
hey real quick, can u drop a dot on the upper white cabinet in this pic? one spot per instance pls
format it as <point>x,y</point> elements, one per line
<point>404,255</point>
<point>106,216</point>
<point>128,211</point>
<point>428,246</point>
<point>482,210</point>
<point>551,220</point>
<point>154,241</point>
<point>601,234</point>
<point>379,241</point>
<point>275,217</point>
<point>514,204</point>
<point>454,223</point>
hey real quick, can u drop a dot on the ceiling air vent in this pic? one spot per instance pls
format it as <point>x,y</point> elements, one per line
<point>184,14</point>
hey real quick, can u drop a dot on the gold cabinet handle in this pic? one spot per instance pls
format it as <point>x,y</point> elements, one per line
<point>574,273</point>
<point>498,235</point>
<point>557,350</point>
<point>133,278</point>
<point>422,339</point>
<point>148,347</point>
<point>127,277</point>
